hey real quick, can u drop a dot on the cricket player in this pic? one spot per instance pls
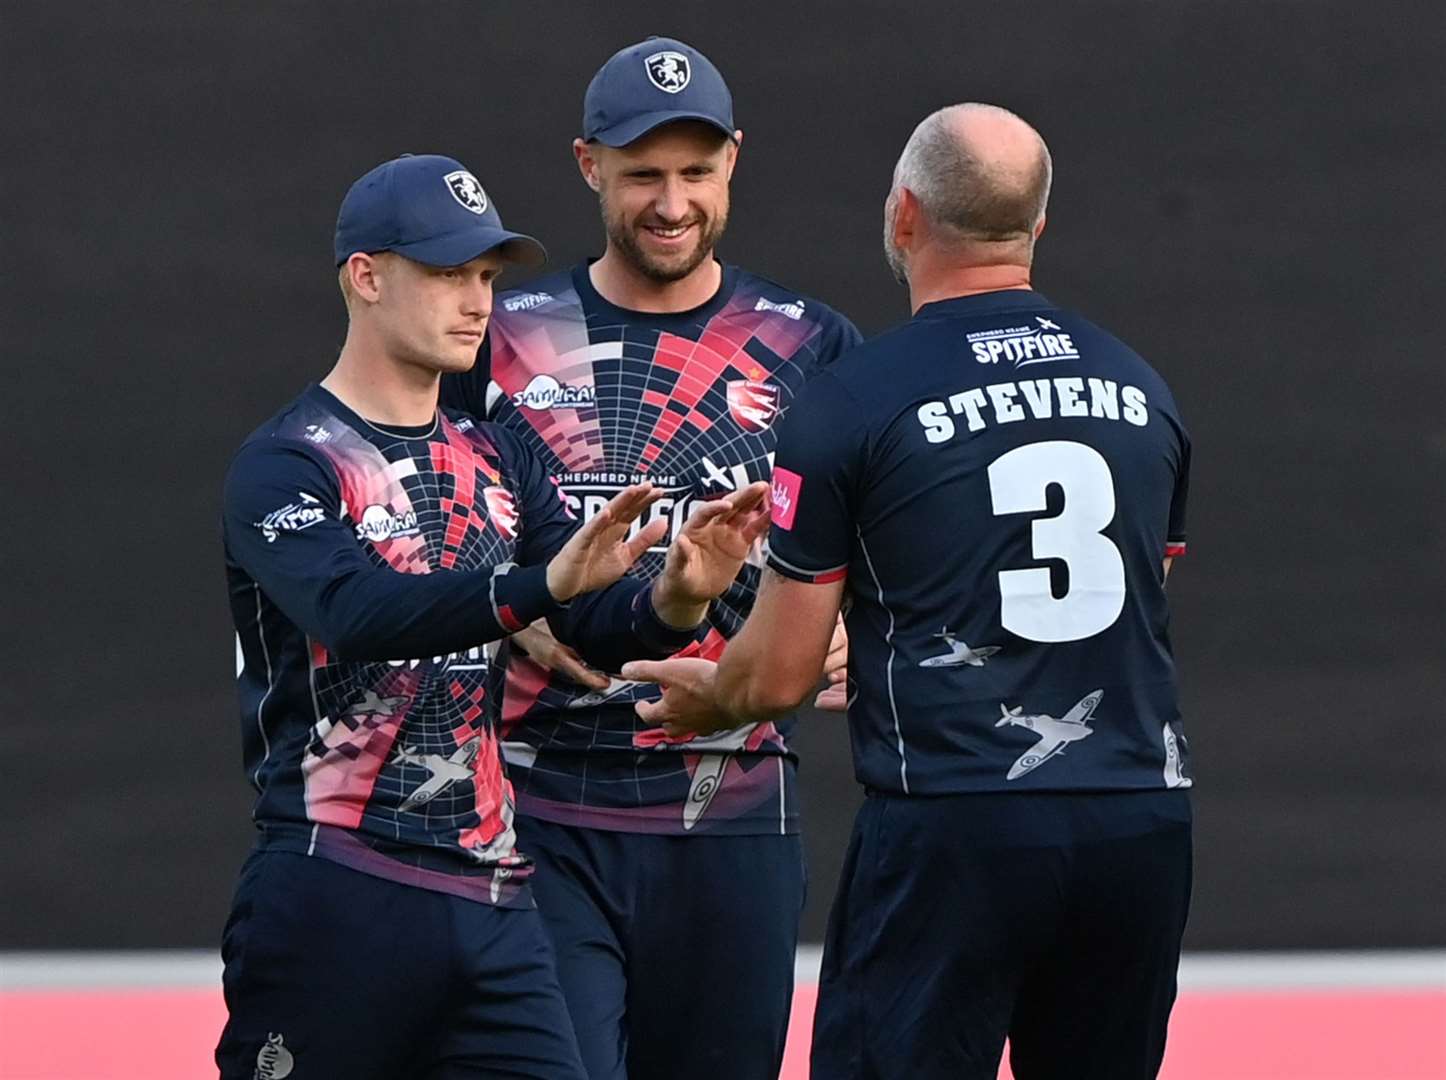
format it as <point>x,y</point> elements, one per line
<point>656,362</point>
<point>996,489</point>
<point>377,550</point>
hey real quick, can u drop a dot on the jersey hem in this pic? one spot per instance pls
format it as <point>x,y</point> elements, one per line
<point>495,886</point>
<point>933,791</point>
<point>651,820</point>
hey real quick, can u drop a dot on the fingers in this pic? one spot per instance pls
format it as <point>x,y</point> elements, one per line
<point>747,499</point>
<point>649,535</point>
<point>756,527</point>
<point>753,497</point>
<point>653,671</point>
<point>652,712</point>
<point>707,512</point>
<point>623,508</point>
<point>833,699</point>
<point>730,509</point>
<point>660,713</point>
<point>836,661</point>
<point>571,665</point>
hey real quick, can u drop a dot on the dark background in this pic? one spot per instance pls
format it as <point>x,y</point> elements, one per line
<point>1246,191</point>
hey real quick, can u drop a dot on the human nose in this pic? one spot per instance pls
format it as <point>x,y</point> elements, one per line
<point>477,298</point>
<point>671,203</point>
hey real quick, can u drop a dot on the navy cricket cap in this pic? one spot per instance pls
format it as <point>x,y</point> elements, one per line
<point>430,209</point>
<point>651,83</point>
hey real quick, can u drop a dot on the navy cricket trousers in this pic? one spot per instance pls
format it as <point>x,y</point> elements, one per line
<point>1051,918</point>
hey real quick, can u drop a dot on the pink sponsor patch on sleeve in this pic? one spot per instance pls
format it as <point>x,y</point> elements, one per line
<point>787,486</point>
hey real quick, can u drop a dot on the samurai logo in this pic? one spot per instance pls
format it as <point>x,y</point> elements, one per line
<point>467,191</point>
<point>668,71</point>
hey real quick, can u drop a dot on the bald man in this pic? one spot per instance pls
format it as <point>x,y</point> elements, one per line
<point>997,488</point>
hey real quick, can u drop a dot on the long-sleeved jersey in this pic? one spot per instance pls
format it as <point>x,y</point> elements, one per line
<point>369,567</point>
<point>692,401</point>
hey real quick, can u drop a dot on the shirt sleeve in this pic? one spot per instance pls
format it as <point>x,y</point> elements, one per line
<point>610,626</point>
<point>821,451</point>
<point>842,336</point>
<point>284,526</point>
<point>1175,538</point>
<point>466,391</point>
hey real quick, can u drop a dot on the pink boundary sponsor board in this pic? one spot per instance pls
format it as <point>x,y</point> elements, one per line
<point>1239,1035</point>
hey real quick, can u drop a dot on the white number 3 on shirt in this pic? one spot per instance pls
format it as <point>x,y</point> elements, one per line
<point>1096,595</point>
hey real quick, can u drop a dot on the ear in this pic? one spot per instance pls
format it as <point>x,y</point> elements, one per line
<point>732,152</point>
<point>1039,229</point>
<point>906,220</point>
<point>587,163</point>
<point>364,273</point>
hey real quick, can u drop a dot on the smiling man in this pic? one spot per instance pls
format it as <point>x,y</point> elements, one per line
<point>656,361</point>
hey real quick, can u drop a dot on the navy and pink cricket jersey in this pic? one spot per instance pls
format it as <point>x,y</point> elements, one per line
<point>369,568</point>
<point>692,401</point>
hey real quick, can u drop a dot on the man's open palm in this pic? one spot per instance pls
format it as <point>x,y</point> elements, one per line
<point>600,552</point>
<point>707,555</point>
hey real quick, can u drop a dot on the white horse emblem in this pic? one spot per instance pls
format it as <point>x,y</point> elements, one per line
<point>668,71</point>
<point>467,191</point>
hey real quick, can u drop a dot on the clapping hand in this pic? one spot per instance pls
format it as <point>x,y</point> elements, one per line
<point>600,552</point>
<point>707,555</point>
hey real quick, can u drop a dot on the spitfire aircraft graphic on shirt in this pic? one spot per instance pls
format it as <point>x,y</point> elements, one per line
<point>1053,735</point>
<point>692,402</point>
<point>959,653</point>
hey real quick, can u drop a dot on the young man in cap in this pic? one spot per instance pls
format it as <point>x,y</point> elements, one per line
<point>1021,867</point>
<point>384,925</point>
<point>656,361</point>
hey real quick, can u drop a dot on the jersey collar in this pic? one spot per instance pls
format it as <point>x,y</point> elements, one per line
<point>986,303</point>
<point>594,301</point>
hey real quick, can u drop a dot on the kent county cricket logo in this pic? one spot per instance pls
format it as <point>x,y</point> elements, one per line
<point>467,191</point>
<point>753,402</point>
<point>668,71</point>
<point>502,510</point>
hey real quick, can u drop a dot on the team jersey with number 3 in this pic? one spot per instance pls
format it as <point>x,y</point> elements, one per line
<point>693,402</point>
<point>999,481</point>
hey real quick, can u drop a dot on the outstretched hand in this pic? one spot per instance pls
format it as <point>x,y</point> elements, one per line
<point>600,553</point>
<point>687,706</point>
<point>707,555</point>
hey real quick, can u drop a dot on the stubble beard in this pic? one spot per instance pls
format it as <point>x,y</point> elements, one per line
<point>624,237</point>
